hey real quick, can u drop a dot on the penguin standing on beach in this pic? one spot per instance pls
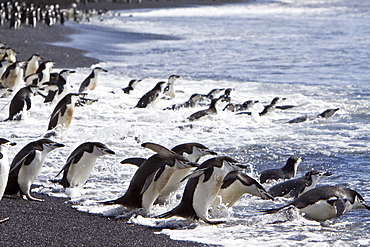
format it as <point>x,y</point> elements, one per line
<point>235,184</point>
<point>63,112</point>
<point>81,162</point>
<point>150,97</point>
<point>151,177</point>
<point>131,86</point>
<point>26,166</point>
<point>296,187</point>
<point>4,164</point>
<point>202,188</point>
<point>169,90</point>
<point>21,102</point>
<point>91,81</point>
<point>326,202</point>
<point>287,172</point>
<point>32,65</point>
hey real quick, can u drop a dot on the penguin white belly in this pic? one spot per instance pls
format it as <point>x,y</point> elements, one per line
<point>4,173</point>
<point>320,211</point>
<point>173,183</point>
<point>28,173</point>
<point>155,188</point>
<point>66,119</point>
<point>93,83</point>
<point>79,172</point>
<point>231,194</point>
<point>205,193</point>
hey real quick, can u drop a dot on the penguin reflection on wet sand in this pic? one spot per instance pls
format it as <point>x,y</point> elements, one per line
<point>296,187</point>
<point>21,102</point>
<point>324,115</point>
<point>91,82</point>
<point>63,112</point>
<point>287,172</point>
<point>326,202</point>
<point>152,96</point>
<point>151,177</point>
<point>235,184</point>
<point>201,189</point>
<point>81,162</point>
<point>26,166</point>
<point>212,110</point>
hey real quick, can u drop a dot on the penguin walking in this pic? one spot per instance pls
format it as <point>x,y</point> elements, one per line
<point>212,110</point>
<point>63,87</point>
<point>326,202</point>
<point>4,164</point>
<point>32,65</point>
<point>296,187</point>
<point>26,166</point>
<point>191,103</point>
<point>13,76</point>
<point>151,177</point>
<point>201,189</point>
<point>81,162</point>
<point>63,112</point>
<point>91,81</point>
<point>324,115</point>
<point>237,183</point>
<point>169,90</point>
<point>131,86</point>
<point>21,102</point>
<point>152,96</point>
<point>287,172</point>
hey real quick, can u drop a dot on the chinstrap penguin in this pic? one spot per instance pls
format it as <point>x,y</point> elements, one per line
<point>26,166</point>
<point>326,202</point>
<point>91,82</point>
<point>21,102</point>
<point>150,97</point>
<point>296,187</point>
<point>324,115</point>
<point>81,162</point>
<point>192,102</point>
<point>131,86</point>
<point>212,110</point>
<point>169,90</point>
<point>287,172</point>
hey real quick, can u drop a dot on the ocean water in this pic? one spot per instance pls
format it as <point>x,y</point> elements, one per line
<point>314,53</point>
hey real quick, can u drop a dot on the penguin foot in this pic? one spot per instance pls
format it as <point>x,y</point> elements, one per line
<point>31,198</point>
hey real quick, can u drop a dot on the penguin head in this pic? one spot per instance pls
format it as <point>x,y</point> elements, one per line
<point>196,97</point>
<point>359,202</point>
<point>292,163</point>
<point>102,149</point>
<point>277,100</point>
<point>133,83</point>
<point>328,113</point>
<point>49,145</point>
<point>172,79</point>
<point>98,70</point>
<point>6,143</point>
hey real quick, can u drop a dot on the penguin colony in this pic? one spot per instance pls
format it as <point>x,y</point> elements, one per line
<point>217,181</point>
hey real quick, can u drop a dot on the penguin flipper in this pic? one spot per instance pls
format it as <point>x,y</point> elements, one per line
<point>28,103</point>
<point>153,176</point>
<point>22,160</point>
<point>157,148</point>
<point>194,174</point>
<point>134,161</point>
<point>339,204</point>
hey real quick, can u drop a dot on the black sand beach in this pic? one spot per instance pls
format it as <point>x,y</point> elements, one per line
<point>54,222</point>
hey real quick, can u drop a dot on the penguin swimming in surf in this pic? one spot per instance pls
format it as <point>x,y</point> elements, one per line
<point>151,177</point>
<point>212,110</point>
<point>326,202</point>
<point>240,107</point>
<point>191,103</point>
<point>201,189</point>
<point>81,162</point>
<point>26,166</point>
<point>324,115</point>
<point>287,172</point>
<point>150,97</point>
<point>169,90</point>
<point>296,187</point>
<point>21,102</point>
<point>131,86</point>
<point>91,81</point>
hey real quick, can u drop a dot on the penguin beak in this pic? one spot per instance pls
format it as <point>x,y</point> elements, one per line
<point>242,166</point>
<point>58,145</point>
<point>210,152</point>
<point>12,143</point>
<point>104,70</point>
<point>108,151</point>
<point>366,206</point>
<point>327,174</point>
